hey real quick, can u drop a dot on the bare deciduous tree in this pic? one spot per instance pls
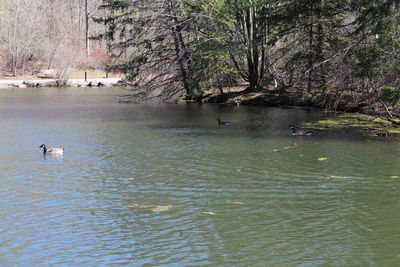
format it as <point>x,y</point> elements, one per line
<point>40,33</point>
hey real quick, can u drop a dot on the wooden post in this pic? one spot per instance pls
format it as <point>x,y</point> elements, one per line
<point>85,76</point>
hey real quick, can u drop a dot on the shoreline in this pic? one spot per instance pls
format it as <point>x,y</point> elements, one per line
<point>32,83</point>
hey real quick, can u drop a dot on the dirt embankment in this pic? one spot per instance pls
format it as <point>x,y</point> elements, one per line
<point>278,98</point>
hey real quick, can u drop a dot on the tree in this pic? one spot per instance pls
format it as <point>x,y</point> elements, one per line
<point>40,34</point>
<point>377,55</point>
<point>154,36</point>
<point>315,42</point>
<point>247,32</point>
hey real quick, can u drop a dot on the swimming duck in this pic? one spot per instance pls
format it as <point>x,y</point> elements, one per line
<point>300,132</point>
<point>222,122</point>
<point>54,150</point>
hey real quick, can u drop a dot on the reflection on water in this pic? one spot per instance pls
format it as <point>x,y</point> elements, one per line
<point>164,184</point>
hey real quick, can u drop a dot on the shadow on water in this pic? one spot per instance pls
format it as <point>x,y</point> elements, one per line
<point>248,121</point>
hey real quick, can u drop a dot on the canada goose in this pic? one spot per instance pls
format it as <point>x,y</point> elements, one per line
<point>300,132</point>
<point>222,122</point>
<point>54,150</point>
<point>383,134</point>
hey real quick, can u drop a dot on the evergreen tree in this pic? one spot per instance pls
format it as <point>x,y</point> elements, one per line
<point>152,38</point>
<point>377,53</point>
<point>316,41</point>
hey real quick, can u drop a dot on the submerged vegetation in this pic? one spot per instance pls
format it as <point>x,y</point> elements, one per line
<point>371,124</point>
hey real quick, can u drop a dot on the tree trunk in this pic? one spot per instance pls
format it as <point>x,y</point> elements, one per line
<point>320,56</point>
<point>311,50</point>
<point>252,25</point>
<point>87,28</point>
<point>15,48</point>
<point>182,56</point>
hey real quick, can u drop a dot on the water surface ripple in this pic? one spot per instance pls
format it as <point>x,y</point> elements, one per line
<point>154,184</point>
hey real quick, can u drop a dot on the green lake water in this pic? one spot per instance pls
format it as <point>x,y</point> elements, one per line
<point>165,185</point>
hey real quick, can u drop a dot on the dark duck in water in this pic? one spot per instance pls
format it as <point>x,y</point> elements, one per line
<point>222,122</point>
<point>300,132</point>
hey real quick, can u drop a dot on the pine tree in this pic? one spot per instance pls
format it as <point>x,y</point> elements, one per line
<point>153,37</point>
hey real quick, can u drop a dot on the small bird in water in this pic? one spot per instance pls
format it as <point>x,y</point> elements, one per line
<point>54,150</point>
<point>300,132</point>
<point>222,122</point>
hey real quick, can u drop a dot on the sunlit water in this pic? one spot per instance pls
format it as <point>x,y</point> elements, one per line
<point>158,184</point>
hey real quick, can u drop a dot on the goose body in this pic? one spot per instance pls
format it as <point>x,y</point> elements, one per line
<point>300,132</point>
<point>53,150</point>
<point>222,122</point>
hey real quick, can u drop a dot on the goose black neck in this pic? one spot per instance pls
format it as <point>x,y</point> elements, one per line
<point>44,149</point>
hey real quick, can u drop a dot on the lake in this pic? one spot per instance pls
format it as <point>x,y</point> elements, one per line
<point>164,184</point>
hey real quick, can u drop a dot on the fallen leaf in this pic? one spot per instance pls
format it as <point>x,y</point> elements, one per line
<point>153,208</point>
<point>141,206</point>
<point>395,177</point>
<point>237,202</point>
<point>287,147</point>
<point>209,212</point>
<point>322,159</point>
<point>160,208</point>
<point>337,177</point>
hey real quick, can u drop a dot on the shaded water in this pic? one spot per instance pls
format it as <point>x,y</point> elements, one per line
<point>165,185</point>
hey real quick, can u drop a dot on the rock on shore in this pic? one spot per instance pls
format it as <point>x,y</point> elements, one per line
<point>63,83</point>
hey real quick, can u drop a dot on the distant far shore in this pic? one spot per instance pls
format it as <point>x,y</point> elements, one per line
<point>4,84</point>
<point>77,79</point>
